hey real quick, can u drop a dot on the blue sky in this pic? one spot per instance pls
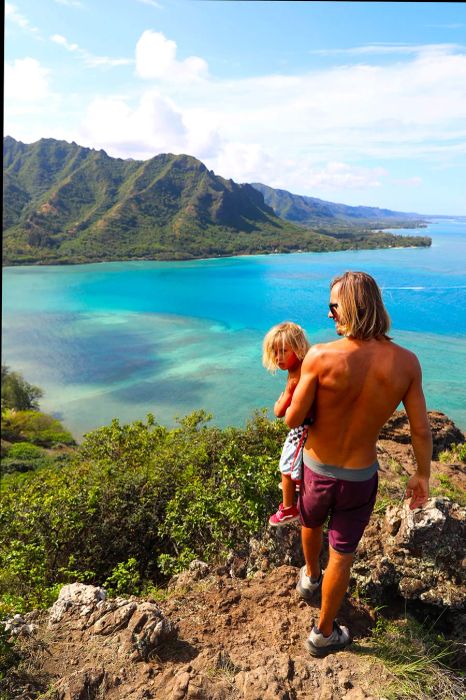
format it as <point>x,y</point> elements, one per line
<point>353,102</point>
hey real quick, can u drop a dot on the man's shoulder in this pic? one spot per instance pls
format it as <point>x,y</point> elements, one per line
<point>404,353</point>
<point>320,351</point>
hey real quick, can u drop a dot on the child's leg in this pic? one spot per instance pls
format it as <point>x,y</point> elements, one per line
<point>289,490</point>
<point>287,511</point>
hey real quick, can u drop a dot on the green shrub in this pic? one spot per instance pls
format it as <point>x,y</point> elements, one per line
<point>34,427</point>
<point>124,579</point>
<point>12,466</point>
<point>136,493</point>
<point>25,450</point>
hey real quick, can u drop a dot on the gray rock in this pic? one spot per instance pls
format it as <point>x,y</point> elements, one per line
<point>80,598</point>
<point>418,553</point>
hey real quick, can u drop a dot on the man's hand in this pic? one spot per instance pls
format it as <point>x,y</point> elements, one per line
<point>417,489</point>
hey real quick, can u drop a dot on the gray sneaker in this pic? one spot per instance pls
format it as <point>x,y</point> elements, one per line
<point>318,645</point>
<point>306,586</point>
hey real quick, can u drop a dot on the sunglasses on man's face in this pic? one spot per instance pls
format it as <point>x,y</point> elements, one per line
<point>332,307</point>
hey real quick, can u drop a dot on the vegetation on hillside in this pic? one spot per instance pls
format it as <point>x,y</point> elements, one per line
<point>30,439</point>
<point>68,204</point>
<point>126,509</point>
<point>310,211</point>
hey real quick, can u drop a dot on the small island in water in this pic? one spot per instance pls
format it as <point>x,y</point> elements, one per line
<point>66,204</point>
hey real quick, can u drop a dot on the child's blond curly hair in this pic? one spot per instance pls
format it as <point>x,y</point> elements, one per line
<point>284,334</point>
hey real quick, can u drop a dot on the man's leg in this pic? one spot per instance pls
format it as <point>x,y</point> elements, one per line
<point>311,538</point>
<point>334,587</point>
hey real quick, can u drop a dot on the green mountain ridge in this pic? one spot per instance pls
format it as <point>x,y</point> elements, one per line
<point>64,203</point>
<point>312,211</point>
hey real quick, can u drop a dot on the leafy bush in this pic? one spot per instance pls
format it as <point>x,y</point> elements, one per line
<point>25,457</point>
<point>136,493</point>
<point>124,578</point>
<point>25,450</point>
<point>34,427</point>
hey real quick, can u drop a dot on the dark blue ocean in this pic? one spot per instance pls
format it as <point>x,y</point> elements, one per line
<point>124,339</point>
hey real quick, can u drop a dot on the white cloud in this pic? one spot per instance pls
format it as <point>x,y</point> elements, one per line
<point>156,59</point>
<point>347,112</point>
<point>344,176</point>
<point>386,48</point>
<point>88,58</point>
<point>154,126</point>
<point>62,41</point>
<point>243,162</point>
<point>12,15</point>
<point>26,81</point>
<point>415,181</point>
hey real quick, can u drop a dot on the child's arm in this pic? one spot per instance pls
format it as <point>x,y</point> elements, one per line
<point>284,400</point>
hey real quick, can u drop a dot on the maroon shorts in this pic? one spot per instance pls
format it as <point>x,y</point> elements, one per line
<point>348,502</point>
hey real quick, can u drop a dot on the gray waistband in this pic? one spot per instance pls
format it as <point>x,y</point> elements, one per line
<point>340,472</point>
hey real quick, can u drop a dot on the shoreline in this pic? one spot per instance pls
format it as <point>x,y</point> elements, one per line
<point>211,257</point>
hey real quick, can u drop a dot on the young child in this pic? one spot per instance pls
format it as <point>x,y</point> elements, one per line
<point>284,347</point>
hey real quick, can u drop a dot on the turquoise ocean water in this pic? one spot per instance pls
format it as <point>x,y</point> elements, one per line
<point>124,339</point>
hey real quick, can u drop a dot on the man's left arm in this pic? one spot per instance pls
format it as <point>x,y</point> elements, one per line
<point>414,402</point>
<point>304,394</point>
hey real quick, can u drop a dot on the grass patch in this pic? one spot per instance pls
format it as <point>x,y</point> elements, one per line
<point>417,660</point>
<point>449,489</point>
<point>388,494</point>
<point>396,466</point>
<point>456,453</point>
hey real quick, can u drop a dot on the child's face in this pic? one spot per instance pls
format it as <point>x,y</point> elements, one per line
<point>286,359</point>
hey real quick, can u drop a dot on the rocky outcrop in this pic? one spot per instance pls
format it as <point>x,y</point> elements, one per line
<point>418,555</point>
<point>444,432</point>
<point>139,627</point>
<point>113,632</point>
<point>276,547</point>
<point>213,638</point>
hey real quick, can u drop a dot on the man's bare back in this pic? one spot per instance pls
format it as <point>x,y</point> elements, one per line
<point>354,386</point>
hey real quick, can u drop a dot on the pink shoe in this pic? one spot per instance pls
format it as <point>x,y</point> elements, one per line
<point>283,516</point>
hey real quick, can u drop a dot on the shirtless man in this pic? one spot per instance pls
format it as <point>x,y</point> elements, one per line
<point>353,384</point>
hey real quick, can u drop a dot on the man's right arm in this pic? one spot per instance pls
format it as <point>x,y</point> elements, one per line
<point>414,402</point>
<point>304,394</point>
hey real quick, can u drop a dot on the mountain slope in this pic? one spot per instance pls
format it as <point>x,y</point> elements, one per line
<point>64,203</point>
<point>312,211</point>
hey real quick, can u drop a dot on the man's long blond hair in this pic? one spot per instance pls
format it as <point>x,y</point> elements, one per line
<point>283,334</point>
<point>361,311</point>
